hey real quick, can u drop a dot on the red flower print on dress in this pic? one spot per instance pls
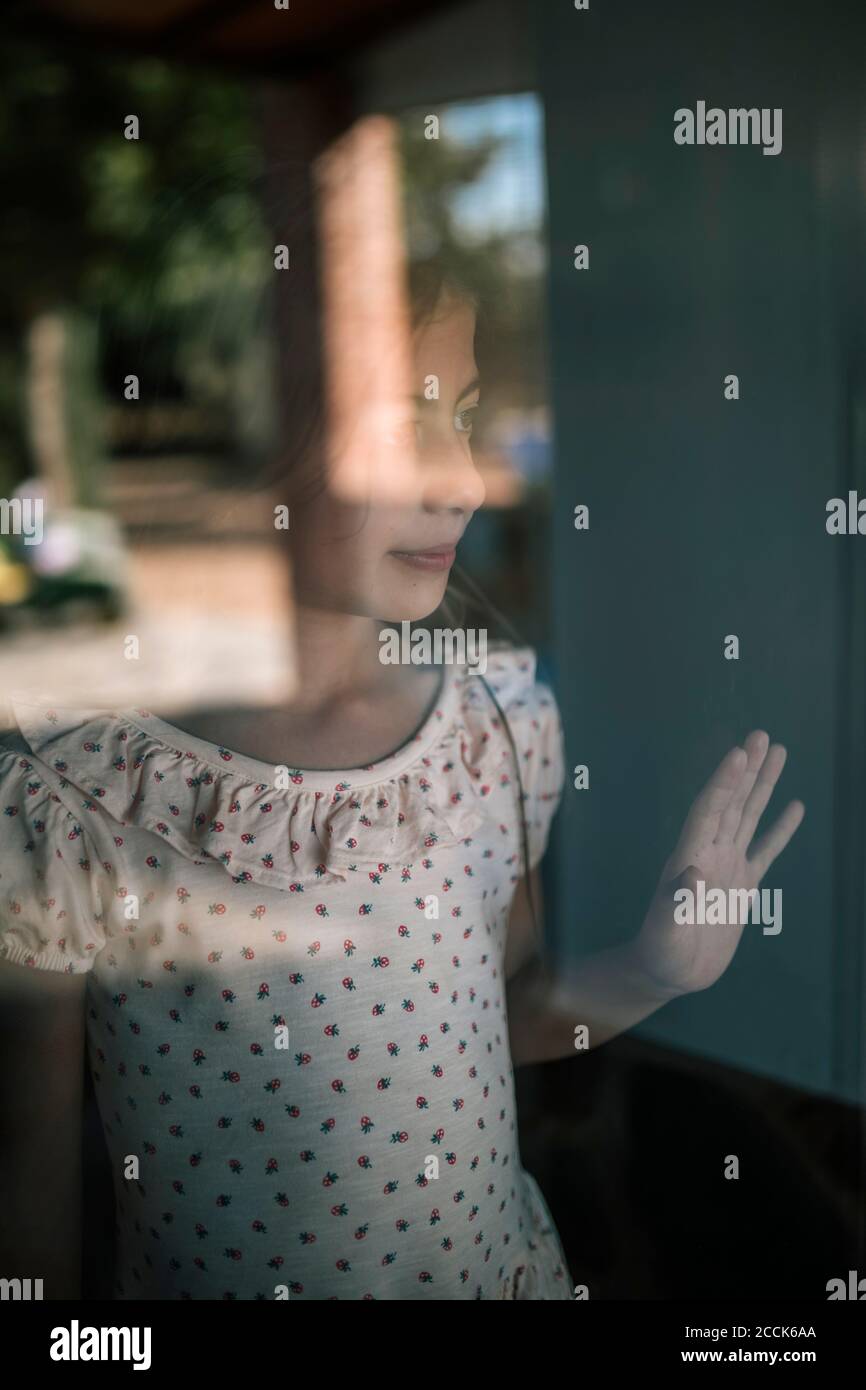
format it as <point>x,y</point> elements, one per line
<point>437,819</point>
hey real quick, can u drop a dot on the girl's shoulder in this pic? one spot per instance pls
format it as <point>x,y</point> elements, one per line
<point>20,768</point>
<point>509,683</point>
<point>41,806</point>
<point>515,731</point>
<point>50,912</point>
<point>513,672</point>
<point>31,792</point>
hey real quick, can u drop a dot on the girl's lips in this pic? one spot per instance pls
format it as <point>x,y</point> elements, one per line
<point>437,559</point>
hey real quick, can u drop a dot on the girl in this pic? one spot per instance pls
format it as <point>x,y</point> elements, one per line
<point>290,941</point>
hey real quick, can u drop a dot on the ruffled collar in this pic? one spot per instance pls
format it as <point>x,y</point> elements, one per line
<point>212,804</point>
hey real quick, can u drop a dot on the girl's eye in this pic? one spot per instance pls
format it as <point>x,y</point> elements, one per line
<point>464,419</point>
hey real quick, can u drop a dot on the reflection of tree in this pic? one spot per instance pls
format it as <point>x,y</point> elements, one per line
<point>511,330</point>
<point>152,256</point>
<point>433,171</point>
<point>155,240</point>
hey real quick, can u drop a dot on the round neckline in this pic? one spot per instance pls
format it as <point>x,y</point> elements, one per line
<point>228,762</point>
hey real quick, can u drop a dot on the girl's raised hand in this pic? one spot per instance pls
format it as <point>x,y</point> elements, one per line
<point>715,846</point>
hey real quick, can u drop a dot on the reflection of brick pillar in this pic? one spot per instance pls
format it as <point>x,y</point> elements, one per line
<point>342,325</point>
<point>366,318</point>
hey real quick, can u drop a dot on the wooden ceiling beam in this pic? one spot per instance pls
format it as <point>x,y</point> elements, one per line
<point>194,37</point>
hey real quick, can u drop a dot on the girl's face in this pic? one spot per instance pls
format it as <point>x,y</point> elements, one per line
<point>391,561</point>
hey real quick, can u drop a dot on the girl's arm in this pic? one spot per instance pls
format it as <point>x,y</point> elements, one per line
<point>608,991</point>
<point>42,1045</point>
<point>612,990</point>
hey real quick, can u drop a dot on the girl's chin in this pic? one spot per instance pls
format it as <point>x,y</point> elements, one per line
<point>416,604</point>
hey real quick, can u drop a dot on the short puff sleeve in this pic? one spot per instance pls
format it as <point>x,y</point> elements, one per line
<point>534,721</point>
<point>50,913</point>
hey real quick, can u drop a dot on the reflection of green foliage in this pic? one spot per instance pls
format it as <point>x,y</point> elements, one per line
<point>434,171</point>
<point>162,242</point>
<point>99,219</point>
<point>162,238</point>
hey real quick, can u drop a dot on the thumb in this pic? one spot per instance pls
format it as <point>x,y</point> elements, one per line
<point>688,879</point>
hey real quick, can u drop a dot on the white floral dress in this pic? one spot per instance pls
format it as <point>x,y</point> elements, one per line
<point>295,1001</point>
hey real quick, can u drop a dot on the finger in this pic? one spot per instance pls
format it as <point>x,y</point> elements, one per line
<point>756,745</point>
<point>756,802</point>
<point>706,810</point>
<point>771,844</point>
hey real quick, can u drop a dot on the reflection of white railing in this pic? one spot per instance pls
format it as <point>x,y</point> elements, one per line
<point>186,658</point>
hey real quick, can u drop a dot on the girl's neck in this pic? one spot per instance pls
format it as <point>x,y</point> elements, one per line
<point>348,708</point>
<point>336,653</point>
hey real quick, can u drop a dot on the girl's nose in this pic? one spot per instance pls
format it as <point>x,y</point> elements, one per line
<point>450,479</point>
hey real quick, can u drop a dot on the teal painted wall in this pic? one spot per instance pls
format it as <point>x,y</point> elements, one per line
<point>708,516</point>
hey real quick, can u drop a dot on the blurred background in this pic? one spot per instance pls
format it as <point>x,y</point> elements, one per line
<point>143,334</point>
<point>139,374</point>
